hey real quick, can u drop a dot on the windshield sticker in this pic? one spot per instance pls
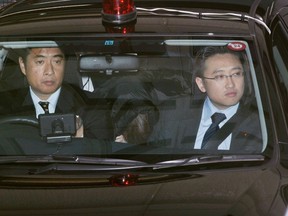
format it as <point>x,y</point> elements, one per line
<point>109,43</point>
<point>236,46</point>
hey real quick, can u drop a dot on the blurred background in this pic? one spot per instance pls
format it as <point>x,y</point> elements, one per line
<point>5,2</point>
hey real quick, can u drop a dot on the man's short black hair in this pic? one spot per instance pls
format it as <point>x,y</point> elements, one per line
<point>209,51</point>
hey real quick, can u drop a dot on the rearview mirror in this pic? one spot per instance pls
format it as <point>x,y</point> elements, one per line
<point>109,64</point>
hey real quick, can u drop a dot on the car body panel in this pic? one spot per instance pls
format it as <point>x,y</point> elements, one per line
<point>236,188</point>
<point>218,193</point>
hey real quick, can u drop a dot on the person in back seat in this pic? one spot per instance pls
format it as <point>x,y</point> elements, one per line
<point>134,122</point>
<point>129,115</point>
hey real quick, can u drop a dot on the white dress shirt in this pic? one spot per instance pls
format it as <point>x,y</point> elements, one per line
<point>208,110</point>
<point>52,102</point>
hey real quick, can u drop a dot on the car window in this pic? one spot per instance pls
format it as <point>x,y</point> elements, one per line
<point>131,95</point>
<point>280,53</point>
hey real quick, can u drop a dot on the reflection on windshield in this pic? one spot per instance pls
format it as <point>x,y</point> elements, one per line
<point>129,97</point>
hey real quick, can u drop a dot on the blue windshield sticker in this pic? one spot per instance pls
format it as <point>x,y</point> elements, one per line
<point>109,43</point>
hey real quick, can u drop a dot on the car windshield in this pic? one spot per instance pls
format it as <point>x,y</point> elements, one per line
<point>120,97</point>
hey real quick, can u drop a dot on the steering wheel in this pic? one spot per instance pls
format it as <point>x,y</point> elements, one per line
<point>28,120</point>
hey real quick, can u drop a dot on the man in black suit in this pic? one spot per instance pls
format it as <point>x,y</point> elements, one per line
<point>44,70</point>
<point>220,77</point>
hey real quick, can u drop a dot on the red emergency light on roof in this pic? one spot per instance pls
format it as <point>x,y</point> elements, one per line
<point>118,11</point>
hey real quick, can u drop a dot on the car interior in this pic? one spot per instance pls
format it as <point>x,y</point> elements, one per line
<point>96,67</point>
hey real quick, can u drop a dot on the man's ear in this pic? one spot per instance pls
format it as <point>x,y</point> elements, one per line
<point>200,84</point>
<point>22,65</point>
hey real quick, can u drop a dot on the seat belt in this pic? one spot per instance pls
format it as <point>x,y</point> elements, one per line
<point>232,124</point>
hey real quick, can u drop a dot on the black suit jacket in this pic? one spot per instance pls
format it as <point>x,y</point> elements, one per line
<point>180,119</point>
<point>96,120</point>
<point>20,102</point>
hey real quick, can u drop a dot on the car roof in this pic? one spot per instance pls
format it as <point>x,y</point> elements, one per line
<point>243,5</point>
<point>41,17</point>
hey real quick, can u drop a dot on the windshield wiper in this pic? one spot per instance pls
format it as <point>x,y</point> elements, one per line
<point>121,164</point>
<point>97,160</point>
<point>72,159</point>
<point>82,163</point>
<point>197,160</point>
<point>63,163</point>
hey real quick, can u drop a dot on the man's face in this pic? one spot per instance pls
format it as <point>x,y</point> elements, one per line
<point>227,91</point>
<point>44,69</point>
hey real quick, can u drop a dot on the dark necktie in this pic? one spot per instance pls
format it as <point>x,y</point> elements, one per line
<point>44,105</point>
<point>216,119</point>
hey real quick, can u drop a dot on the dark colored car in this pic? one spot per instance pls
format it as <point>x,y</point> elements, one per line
<point>136,63</point>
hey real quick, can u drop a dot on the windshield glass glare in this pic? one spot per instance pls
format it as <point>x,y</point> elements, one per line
<point>129,96</point>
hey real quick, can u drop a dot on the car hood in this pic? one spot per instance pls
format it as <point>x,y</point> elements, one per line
<point>216,193</point>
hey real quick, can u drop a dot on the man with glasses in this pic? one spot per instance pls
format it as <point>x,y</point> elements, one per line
<point>227,119</point>
<point>220,75</point>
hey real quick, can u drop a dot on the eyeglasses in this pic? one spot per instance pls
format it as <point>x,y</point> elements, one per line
<point>222,77</point>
